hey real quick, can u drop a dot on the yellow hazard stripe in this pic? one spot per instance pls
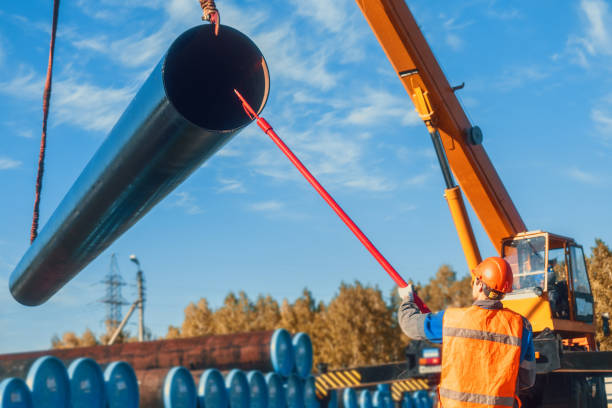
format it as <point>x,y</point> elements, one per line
<point>354,376</point>
<point>400,387</point>
<point>326,381</point>
<point>347,379</point>
<point>337,380</point>
<point>321,391</point>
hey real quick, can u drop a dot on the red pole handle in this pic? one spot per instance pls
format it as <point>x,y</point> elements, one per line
<point>267,128</point>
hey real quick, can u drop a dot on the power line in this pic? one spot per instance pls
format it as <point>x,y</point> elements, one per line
<point>113,299</point>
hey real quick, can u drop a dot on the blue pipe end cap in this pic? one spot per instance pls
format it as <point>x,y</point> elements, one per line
<point>86,384</point>
<point>302,350</point>
<point>238,389</point>
<point>179,389</point>
<point>349,398</point>
<point>258,389</point>
<point>310,393</point>
<point>121,386</point>
<point>14,393</point>
<point>211,390</point>
<point>48,381</point>
<point>281,352</point>
<point>365,399</point>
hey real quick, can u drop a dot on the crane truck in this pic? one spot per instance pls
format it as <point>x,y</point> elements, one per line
<point>551,286</point>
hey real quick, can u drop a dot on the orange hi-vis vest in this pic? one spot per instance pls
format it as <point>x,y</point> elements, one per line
<point>481,351</point>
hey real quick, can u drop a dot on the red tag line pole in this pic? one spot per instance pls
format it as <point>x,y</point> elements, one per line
<point>267,128</point>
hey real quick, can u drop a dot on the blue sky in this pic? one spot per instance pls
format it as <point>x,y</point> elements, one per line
<point>537,80</point>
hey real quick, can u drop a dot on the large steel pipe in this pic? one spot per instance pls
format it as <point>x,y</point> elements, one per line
<point>264,351</point>
<point>167,388</point>
<point>185,111</point>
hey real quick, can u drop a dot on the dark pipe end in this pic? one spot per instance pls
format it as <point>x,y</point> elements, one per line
<point>201,71</point>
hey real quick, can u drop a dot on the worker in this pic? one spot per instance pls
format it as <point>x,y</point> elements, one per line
<point>487,350</point>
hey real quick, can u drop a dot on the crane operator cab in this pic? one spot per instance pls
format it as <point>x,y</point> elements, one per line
<point>551,286</point>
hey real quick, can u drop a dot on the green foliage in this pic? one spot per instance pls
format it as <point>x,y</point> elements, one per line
<point>600,275</point>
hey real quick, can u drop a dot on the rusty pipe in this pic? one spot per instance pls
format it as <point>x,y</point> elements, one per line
<point>155,388</point>
<point>249,351</point>
<point>183,113</point>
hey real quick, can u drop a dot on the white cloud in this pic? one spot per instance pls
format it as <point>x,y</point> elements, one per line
<point>381,106</point>
<point>603,122</point>
<point>332,158</point>
<point>327,14</point>
<point>270,163</point>
<point>305,97</point>
<point>228,152</point>
<point>89,106</point>
<point>517,77</point>
<point>146,47</point>
<point>454,41</point>
<point>183,10</point>
<point>7,163</point>
<point>452,26</point>
<point>187,202</point>
<point>78,103</point>
<point>142,48</point>
<point>503,14</point>
<point>136,50</point>
<point>25,133</point>
<point>44,27</point>
<point>596,38</point>
<point>287,58</point>
<point>24,85</point>
<point>582,176</point>
<point>418,180</point>
<point>267,206</point>
<point>231,186</point>
<point>110,10</point>
<point>369,182</point>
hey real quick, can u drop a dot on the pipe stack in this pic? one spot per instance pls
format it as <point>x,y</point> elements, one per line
<point>166,373</point>
<point>250,351</point>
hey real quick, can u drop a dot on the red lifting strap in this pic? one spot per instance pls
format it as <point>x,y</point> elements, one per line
<point>267,128</point>
<point>43,139</point>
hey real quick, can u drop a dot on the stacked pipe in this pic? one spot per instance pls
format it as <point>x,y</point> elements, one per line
<point>251,351</point>
<point>281,387</point>
<point>49,384</point>
<point>380,397</point>
<point>158,380</point>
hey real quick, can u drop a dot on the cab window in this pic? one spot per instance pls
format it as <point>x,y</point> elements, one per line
<point>527,259</point>
<point>583,298</point>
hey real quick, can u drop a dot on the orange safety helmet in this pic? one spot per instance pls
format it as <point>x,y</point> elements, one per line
<point>496,273</point>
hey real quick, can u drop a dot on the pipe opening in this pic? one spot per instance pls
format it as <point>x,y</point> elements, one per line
<point>201,71</point>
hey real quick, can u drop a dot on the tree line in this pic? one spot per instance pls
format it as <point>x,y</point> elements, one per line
<point>358,326</point>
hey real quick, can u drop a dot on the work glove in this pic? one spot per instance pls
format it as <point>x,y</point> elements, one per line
<point>407,293</point>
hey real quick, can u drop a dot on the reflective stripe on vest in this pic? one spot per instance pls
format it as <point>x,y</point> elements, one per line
<point>480,357</point>
<point>477,398</point>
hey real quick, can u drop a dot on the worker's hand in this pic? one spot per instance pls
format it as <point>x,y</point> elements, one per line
<point>407,293</point>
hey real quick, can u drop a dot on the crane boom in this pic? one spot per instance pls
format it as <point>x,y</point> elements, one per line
<point>551,285</point>
<point>420,73</point>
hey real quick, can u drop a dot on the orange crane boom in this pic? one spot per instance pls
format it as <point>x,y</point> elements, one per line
<point>421,75</point>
